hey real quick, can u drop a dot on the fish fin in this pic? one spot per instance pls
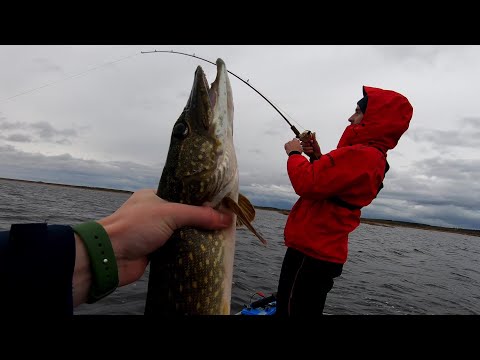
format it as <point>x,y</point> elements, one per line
<point>247,208</point>
<point>244,213</point>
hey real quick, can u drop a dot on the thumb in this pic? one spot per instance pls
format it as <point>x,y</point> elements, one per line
<point>200,216</point>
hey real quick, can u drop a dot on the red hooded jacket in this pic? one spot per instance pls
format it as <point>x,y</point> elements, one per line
<point>317,225</point>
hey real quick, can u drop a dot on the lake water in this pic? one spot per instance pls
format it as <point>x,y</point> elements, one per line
<point>390,270</point>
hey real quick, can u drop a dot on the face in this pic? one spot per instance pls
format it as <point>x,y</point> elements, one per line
<point>357,116</point>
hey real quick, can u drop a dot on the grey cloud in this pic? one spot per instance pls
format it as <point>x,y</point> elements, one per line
<point>437,181</point>
<point>9,125</point>
<point>425,53</point>
<point>269,179</point>
<point>44,131</point>
<point>47,131</point>
<point>73,171</point>
<point>439,139</point>
<point>409,51</point>
<point>62,157</point>
<point>473,122</point>
<point>435,191</point>
<point>458,170</point>
<point>63,141</point>
<point>18,138</point>
<point>440,215</point>
<point>269,195</point>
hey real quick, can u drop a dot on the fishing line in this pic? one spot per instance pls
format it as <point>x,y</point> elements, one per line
<point>69,77</point>
<point>297,133</point>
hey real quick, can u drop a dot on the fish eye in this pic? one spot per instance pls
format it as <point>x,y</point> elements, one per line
<point>180,130</point>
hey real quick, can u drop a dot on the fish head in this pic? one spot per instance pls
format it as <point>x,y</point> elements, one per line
<point>201,165</point>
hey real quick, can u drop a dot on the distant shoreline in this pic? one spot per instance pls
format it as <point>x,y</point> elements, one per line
<point>67,185</point>
<point>376,222</point>
<point>392,223</point>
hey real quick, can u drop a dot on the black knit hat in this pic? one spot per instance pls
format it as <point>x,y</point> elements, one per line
<point>362,103</point>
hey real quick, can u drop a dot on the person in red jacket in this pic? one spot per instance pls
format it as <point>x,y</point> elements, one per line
<point>333,189</point>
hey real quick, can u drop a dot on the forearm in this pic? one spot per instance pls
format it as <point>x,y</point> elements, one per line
<point>298,168</point>
<point>312,179</point>
<point>36,269</point>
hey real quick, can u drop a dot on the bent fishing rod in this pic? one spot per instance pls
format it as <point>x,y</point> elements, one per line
<point>304,136</point>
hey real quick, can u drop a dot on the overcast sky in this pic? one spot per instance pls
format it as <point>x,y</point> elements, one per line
<point>102,116</point>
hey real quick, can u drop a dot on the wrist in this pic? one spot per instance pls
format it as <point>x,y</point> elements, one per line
<point>294,152</point>
<point>97,250</point>
<point>131,256</point>
<point>114,228</point>
<point>81,273</point>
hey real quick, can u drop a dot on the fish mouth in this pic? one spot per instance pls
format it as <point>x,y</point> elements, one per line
<point>214,103</point>
<point>206,164</point>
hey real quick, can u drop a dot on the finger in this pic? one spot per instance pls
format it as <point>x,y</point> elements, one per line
<point>200,216</point>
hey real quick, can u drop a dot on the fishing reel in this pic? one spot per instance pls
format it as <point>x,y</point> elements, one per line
<point>306,135</point>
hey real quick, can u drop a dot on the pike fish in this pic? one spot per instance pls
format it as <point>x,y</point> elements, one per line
<point>192,273</point>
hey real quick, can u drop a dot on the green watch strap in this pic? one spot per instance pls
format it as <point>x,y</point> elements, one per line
<point>102,259</point>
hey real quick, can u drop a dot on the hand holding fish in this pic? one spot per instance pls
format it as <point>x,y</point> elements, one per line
<point>293,145</point>
<point>140,226</point>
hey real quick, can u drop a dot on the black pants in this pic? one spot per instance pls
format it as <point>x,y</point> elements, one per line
<point>304,284</point>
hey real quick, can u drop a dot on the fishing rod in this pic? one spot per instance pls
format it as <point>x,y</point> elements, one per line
<point>304,136</point>
<point>67,77</point>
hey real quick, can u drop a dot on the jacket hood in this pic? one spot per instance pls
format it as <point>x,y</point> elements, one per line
<point>386,118</point>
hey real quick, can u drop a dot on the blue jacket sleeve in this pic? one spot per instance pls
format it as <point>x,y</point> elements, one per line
<point>36,270</point>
